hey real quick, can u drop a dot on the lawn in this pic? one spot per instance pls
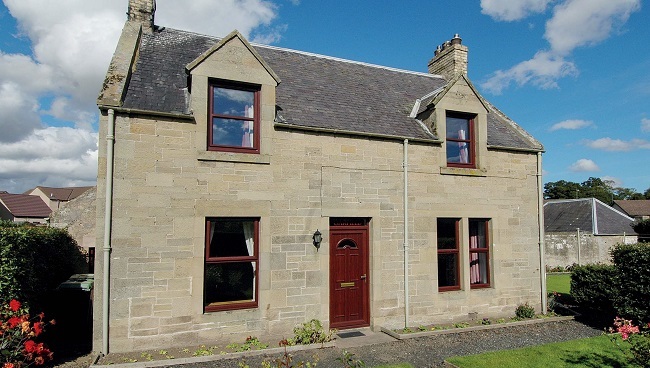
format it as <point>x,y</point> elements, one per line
<point>597,351</point>
<point>559,282</point>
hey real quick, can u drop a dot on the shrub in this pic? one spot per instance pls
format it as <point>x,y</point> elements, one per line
<point>593,288</point>
<point>633,281</point>
<point>35,260</point>
<point>311,332</point>
<point>524,311</point>
<point>638,340</point>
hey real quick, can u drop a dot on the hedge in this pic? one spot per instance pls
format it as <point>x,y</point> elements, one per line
<point>34,261</point>
<point>632,298</point>
<point>621,289</point>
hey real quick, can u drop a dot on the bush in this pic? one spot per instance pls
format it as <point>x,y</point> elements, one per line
<point>593,288</point>
<point>633,281</point>
<point>311,332</point>
<point>35,260</point>
<point>524,311</point>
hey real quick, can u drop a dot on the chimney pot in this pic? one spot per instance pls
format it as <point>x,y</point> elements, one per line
<point>456,40</point>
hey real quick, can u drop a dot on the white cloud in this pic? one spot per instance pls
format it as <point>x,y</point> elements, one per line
<point>574,23</point>
<point>509,10</point>
<point>586,22</point>
<point>570,125</point>
<point>52,156</point>
<point>584,165</point>
<point>543,71</point>
<point>200,15</point>
<point>18,113</point>
<point>645,125</point>
<point>609,144</point>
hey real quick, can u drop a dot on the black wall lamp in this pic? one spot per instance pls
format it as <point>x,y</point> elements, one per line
<point>318,237</point>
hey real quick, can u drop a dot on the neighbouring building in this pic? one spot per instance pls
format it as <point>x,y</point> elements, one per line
<point>78,216</point>
<point>252,188</point>
<point>638,209</point>
<point>23,208</point>
<point>55,197</point>
<point>582,231</point>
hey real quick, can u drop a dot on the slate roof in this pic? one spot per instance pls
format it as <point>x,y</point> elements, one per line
<point>316,91</point>
<point>23,205</point>
<point>637,207</point>
<point>588,214</point>
<point>62,194</point>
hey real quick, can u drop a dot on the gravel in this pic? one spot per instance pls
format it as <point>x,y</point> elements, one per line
<point>432,350</point>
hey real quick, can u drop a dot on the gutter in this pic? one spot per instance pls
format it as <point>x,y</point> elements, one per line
<point>147,112</point>
<point>108,215</point>
<point>540,216</point>
<point>362,134</point>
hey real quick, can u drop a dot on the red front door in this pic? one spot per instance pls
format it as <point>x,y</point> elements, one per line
<point>349,279</point>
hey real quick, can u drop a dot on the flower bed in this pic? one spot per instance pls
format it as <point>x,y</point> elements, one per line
<point>484,324</point>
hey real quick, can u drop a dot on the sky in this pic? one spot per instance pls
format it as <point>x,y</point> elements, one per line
<point>573,73</point>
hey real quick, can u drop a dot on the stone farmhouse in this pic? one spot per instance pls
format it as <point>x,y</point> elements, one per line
<point>244,189</point>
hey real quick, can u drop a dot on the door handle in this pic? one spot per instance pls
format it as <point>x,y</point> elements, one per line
<point>362,277</point>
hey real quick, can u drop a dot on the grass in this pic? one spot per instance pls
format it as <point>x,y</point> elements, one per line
<point>560,283</point>
<point>597,351</point>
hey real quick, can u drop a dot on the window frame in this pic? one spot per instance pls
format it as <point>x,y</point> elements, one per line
<point>235,259</point>
<point>455,251</point>
<point>471,141</point>
<point>256,118</point>
<point>486,251</point>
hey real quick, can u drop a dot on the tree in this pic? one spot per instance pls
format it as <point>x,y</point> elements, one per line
<point>603,190</point>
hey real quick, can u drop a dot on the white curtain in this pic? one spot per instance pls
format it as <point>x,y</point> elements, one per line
<point>474,268</point>
<point>247,138</point>
<point>464,157</point>
<point>249,235</point>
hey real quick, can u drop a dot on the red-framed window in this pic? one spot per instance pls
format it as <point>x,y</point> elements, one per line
<point>231,263</point>
<point>460,141</point>
<point>479,253</point>
<point>234,123</point>
<point>448,254</point>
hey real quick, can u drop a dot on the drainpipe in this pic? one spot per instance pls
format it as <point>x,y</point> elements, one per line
<point>540,215</point>
<point>108,214</point>
<point>406,235</point>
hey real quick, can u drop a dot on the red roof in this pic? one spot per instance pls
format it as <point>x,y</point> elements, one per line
<point>23,205</point>
<point>62,194</point>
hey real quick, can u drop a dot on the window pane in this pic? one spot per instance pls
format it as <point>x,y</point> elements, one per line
<point>457,152</point>
<point>477,234</point>
<point>229,282</point>
<point>447,233</point>
<point>231,238</point>
<point>457,128</point>
<point>447,273</point>
<point>232,132</point>
<point>233,102</point>
<point>478,271</point>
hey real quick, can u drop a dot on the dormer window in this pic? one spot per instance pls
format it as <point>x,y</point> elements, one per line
<point>234,118</point>
<point>460,141</point>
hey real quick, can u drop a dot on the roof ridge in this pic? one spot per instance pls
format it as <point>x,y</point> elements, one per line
<point>333,58</point>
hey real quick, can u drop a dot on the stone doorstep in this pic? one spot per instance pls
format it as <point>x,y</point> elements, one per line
<point>208,358</point>
<point>402,336</point>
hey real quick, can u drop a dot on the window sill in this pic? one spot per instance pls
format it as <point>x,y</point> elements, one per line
<point>247,158</point>
<point>462,171</point>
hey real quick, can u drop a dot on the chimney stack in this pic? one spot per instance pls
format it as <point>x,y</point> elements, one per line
<point>142,11</point>
<point>450,59</point>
